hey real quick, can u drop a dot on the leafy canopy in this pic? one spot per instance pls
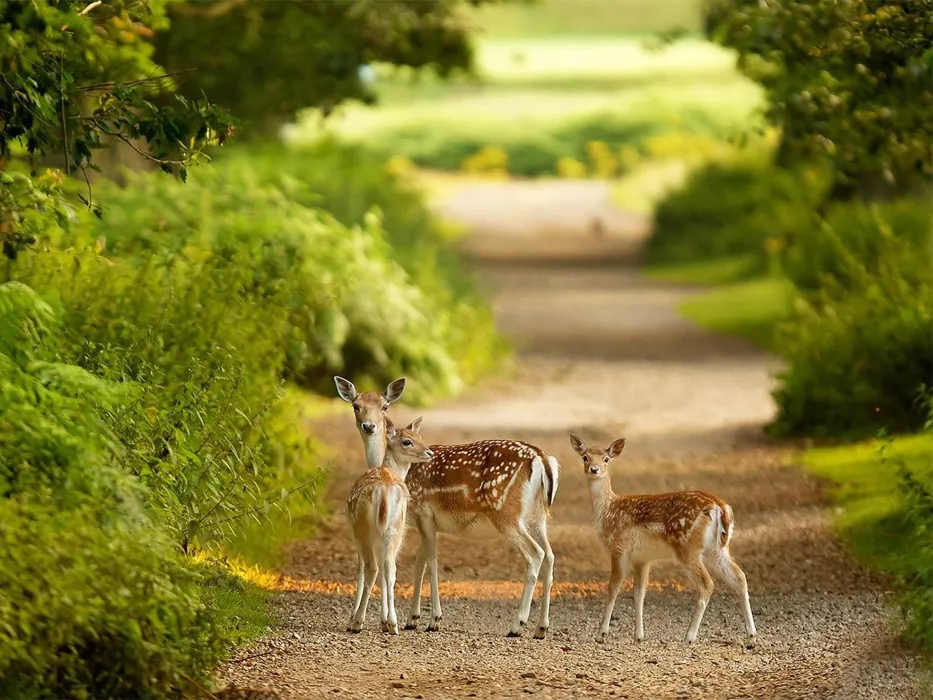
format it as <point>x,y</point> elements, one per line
<point>266,60</point>
<point>849,81</point>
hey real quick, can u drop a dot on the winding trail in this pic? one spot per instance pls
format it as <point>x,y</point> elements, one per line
<point>602,352</point>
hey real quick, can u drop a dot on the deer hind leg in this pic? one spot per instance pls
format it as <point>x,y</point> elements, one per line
<point>360,580</point>
<point>370,573</point>
<point>539,533</point>
<point>642,571</point>
<point>393,544</point>
<point>534,556</point>
<point>617,575</point>
<point>734,578</point>
<point>704,584</point>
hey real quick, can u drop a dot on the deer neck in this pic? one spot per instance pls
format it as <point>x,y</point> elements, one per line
<point>395,466</point>
<point>601,495</point>
<point>375,448</point>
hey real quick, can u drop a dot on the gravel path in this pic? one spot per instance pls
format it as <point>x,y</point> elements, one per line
<point>604,354</point>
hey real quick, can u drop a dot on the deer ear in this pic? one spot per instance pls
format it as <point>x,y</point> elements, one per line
<point>345,389</point>
<point>578,445</point>
<point>390,429</point>
<point>615,449</point>
<point>415,426</point>
<point>395,390</point>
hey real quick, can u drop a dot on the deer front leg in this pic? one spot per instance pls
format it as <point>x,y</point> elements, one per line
<point>371,572</point>
<point>616,577</point>
<point>421,563</point>
<point>642,571</point>
<point>430,544</point>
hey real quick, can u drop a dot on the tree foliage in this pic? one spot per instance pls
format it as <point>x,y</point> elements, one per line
<point>266,60</point>
<point>849,81</point>
<point>75,75</point>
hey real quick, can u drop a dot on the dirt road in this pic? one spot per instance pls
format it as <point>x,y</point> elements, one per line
<point>604,354</point>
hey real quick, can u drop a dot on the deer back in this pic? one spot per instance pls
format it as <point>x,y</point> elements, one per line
<point>479,478</point>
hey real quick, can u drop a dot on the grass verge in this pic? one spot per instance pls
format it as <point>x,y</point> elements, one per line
<point>867,486</point>
<point>750,309</point>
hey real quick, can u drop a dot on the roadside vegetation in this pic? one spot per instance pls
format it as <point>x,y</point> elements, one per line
<point>820,248</point>
<point>162,338</point>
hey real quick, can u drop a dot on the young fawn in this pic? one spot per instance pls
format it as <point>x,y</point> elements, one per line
<point>691,527</point>
<point>507,483</point>
<point>377,508</point>
<point>370,408</point>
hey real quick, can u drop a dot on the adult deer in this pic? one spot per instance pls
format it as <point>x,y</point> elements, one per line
<point>370,409</point>
<point>509,484</point>
<point>377,509</point>
<point>691,527</point>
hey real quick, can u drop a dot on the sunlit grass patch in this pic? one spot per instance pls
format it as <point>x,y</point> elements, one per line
<point>725,270</point>
<point>750,310</point>
<point>866,485</point>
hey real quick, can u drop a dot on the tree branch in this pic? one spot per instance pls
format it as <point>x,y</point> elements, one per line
<point>134,83</point>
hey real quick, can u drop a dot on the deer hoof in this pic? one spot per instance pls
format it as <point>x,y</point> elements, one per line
<point>540,633</point>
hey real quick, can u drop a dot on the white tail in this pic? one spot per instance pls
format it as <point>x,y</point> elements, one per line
<point>511,485</point>
<point>691,527</point>
<point>377,509</point>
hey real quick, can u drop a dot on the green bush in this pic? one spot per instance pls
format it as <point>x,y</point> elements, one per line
<point>733,207</point>
<point>96,603</point>
<point>351,308</point>
<point>856,240</point>
<point>857,363</point>
<point>96,606</point>
<point>200,363</point>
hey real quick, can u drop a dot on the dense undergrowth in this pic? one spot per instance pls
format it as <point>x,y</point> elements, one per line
<point>145,418</point>
<point>843,292</point>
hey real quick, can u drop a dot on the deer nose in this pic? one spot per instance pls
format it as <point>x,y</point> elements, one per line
<point>594,469</point>
<point>429,453</point>
<point>368,428</point>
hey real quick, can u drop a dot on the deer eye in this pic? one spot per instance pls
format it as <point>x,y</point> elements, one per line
<point>606,460</point>
<point>585,459</point>
<point>406,442</point>
<point>356,409</point>
<point>385,408</point>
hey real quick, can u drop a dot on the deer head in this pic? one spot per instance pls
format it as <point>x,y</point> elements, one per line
<point>596,460</point>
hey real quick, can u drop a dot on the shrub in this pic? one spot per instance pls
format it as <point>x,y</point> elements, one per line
<point>96,606</point>
<point>95,602</point>
<point>858,239</point>
<point>857,363</point>
<point>350,307</point>
<point>732,207</point>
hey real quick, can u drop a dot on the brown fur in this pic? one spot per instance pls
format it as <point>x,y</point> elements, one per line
<point>493,474</point>
<point>644,528</point>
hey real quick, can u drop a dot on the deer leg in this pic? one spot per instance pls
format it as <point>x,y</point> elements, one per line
<point>360,580</point>
<point>421,563</point>
<point>539,532</point>
<point>617,575</point>
<point>642,570</point>
<point>704,584</point>
<point>383,597</point>
<point>392,548</point>
<point>534,556</point>
<point>430,541</point>
<point>734,577</point>
<point>370,573</point>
